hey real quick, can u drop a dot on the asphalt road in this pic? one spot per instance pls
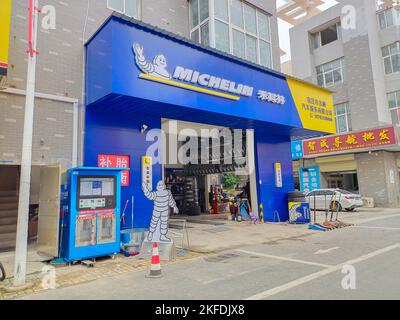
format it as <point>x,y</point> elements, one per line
<point>310,267</point>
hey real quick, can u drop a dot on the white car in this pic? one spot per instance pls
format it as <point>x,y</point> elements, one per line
<point>326,199</point>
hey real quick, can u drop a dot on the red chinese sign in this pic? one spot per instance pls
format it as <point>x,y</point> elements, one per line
<point>115,161</point>
<point>350,141</point>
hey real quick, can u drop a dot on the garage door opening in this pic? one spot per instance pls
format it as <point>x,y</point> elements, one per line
<point>343,180</point>
<point>209,168</point>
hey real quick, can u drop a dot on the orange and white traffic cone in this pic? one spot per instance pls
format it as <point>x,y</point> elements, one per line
<point>155,267</point>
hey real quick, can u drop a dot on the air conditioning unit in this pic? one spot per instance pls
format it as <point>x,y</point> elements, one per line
<point>368,202</point>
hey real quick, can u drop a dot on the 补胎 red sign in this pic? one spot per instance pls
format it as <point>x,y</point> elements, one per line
<point>350,141</point>
<point>115,161</point>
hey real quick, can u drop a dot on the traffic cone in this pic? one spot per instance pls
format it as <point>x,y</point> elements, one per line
<point>155,267</point>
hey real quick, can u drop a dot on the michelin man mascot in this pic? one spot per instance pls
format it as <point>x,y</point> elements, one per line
<point>157,68</point>
<point>163,200</point>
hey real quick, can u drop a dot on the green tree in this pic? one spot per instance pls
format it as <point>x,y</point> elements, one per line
<point>229,180</point>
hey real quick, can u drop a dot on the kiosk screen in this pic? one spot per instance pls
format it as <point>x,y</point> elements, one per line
<point>96,192</point>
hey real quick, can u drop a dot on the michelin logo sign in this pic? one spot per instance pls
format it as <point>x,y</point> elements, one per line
<point>185,78</point>
<point>207,80</point>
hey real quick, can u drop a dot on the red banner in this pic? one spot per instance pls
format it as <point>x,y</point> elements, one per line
<point>115,161</point>
<point>350,141</point>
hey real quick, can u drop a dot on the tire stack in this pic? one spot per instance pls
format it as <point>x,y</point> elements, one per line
<point>191,206</point>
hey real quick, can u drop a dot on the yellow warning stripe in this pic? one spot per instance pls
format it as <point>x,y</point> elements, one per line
<point>188,87</point>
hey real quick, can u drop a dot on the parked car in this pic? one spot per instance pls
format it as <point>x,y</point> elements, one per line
<point>330,198</point>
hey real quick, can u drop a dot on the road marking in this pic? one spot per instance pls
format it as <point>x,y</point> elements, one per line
<point>322,251</point>
<point>379,218</point>
<point>319,274</point>
<point>285,258</point>
<point>383,228</point>
<point>231,275</point>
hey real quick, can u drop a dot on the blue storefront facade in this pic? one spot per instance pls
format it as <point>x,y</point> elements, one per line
<point>137,75</point>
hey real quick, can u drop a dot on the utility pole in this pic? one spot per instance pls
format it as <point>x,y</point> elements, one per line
<point>26,161</point>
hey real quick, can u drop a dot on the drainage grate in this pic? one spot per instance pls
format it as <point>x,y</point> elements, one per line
<point>181,252</point>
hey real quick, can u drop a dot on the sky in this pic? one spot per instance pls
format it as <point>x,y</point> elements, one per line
<point>284,39</point>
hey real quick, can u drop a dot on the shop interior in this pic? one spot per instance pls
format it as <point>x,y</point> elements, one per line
<point>211,181</point>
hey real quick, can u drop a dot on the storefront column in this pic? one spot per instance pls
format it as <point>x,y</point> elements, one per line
<point>269,150</point>
<point>378,178</point>
<point>251,164</point>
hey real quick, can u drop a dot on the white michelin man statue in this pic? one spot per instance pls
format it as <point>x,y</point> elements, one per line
<point>156,68</point>
<point>163,200</point>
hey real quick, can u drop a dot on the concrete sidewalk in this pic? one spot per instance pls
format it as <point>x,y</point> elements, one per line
<point>205,237</point>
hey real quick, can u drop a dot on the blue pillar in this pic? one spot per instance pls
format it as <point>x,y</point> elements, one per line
<point>268,150</point>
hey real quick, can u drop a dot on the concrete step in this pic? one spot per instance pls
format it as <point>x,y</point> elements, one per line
<point>8,213</point>
<point>12,205</point>
<point>8,245</point>
<point>8,236</point>
<point>8,221</point>
<point>8,193</point>
<point>8,228</point>
<point>8,199</point>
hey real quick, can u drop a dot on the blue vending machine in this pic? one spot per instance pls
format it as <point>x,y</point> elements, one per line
<point>90,213</point>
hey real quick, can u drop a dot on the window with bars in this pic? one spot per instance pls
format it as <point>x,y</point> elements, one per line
<point>389,17</point>
<point>330,74</point>
<point>394,106</point>
<point>391,57</point>
<point>127,7</point>
<point>342,118</point>
<point>238,28</point>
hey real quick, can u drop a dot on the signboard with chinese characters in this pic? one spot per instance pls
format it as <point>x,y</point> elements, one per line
<point>314,105</point>
<point>349,142</point>
<point>309,179</point>
<point>297,149</point>
<point>278,174</point>
<point>115,161</point>
<point>147,171</point>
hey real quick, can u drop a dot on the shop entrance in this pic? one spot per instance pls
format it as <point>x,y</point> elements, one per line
<point>212,173</point>
<point>343,180</point>
<point>9,183</point>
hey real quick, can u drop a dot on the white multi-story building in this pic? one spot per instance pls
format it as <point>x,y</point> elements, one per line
<point>353,49</point>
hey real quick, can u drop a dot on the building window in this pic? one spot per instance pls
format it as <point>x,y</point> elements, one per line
<point>391,57</point>
<point>388,18</point>
<point>200,21</point>
<point>394,106</point>
<point>330,74</point>
<point>239,29</point>
<point>342,118</point>
<point>126,7</point>
<point>326,36</point>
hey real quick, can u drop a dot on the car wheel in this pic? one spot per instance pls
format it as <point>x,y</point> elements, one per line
<point>335,205</point>
<point>349,209</point>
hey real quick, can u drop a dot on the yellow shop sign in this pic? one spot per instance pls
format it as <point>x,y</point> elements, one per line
<point>5,18</point>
